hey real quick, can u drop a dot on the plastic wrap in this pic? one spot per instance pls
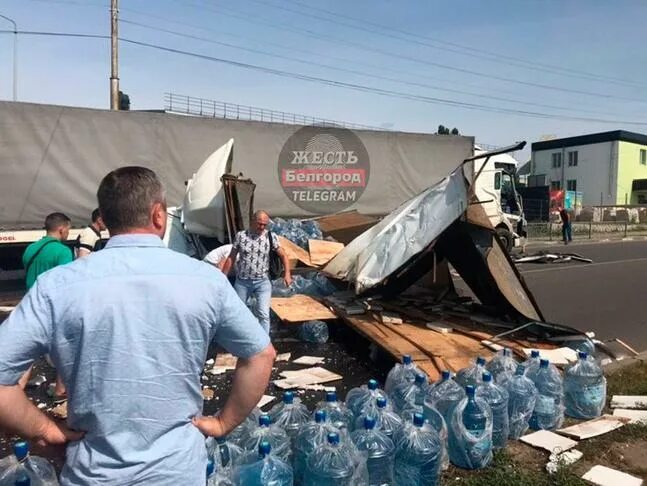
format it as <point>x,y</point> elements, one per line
<point>470,432</point>
<point>297,231</point>
<point>386,420</point>
<point>357,399</point>
<point>405,371</point>
<point>444,396</point>
<point>226,454</point>
<point>312,437</point>
<point>471,375</point>
<point>522,395</point>
<point>38,469</point>
<point>337,413</point>
<point>274,435</point>
<point>313,332</point>
<point>338,462</point>
<point>217,476</point>
<point>548,413</point>
<point>502,364</point>
<point>585,388</point>
<point>240,433</point>
<point>532,363</point>
<point>436,420</point>
<point>406,393</point>
<point>418,454</point>
<point>497,398</point>
<point>264,469</point>
<point>290,415</point>
<point>314,284</point>
<point>380,451</point>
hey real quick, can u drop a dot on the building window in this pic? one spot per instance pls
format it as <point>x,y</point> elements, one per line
<point>571,184</point>
<point>555,185</point>
<point>643,157</point>
<point>572,159</point>
<point>497,180</point>
<point>556,160</point>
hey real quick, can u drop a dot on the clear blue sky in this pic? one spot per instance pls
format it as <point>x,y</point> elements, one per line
<point>593,36</point>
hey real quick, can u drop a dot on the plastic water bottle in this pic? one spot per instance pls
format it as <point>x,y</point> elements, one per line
<point>503,364</point>
<point>549,407</point>
<point>337,413</point>
<point>313,332</point>
<point>406,393</point>
<point>418,453</point>
<point>215,476</point>
<point>585,388</point>
<point>445,395</point>
<point>226,455</point>
<point>472,374</point>
<point>275,436</point>
<point>241,433</point>
<point>312,437</point>
<point>265,469</point>
<point>521,403</point>
<point>470,432</point>
<point>333,464</point>
<point>380,450</point>
<point>497,398</point>
<point>359,398</point>
<point>23,480</point>
<point>436,420</point>
<point>532,364</point>
<point>290,414</point>
<point>39,470</point>
<point>406,371</point>
<point>386,420</point>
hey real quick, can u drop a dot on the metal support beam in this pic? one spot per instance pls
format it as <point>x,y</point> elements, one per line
<point>114,54</point>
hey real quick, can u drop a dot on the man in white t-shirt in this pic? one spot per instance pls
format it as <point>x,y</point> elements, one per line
<point>90,238</point>
<point>218,258</point>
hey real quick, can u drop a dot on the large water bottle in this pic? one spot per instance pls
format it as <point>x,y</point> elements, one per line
<point>585,388</point>
<point>23,480</point>
<point>406,371</point>
<point>275,436</point>
<point>38,469</point>
<point>359,398</point>
<point>334,465</point>
<point>380,450</point>
<point>522,395</point>
<point>387,420</point>
<point>532,363</point>
<point>266,469</point>
<point>215,476</point>
<point>406,393</point>
<point>312,437</point>
<point>445,395</point>
<point>337,413</point>
<point>418,454</point>
<point>470,432</point>
<point>472,374</point>
<point>502,365</point>
<point>436,420</point>
<point>290,414</point>
<point>549,407</point>
<point>225,454</point>
<point>497,398</point>
<point>242,431</point>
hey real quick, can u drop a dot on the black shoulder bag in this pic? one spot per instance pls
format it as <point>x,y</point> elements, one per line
<point>276,264</point>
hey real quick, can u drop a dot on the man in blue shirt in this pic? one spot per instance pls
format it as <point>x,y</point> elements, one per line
<point>128,330</point>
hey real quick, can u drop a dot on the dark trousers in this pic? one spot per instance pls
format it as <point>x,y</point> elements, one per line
<point>567,233</point>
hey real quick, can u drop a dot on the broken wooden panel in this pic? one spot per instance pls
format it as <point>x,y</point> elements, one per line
<point>345,227</point>
<point>605,476</point>
<point>321,251</point>
<point>595,427</point>
<point>294,252</point>
<point>550,441</point>
<point>638,402</point>
<point>300,308</point>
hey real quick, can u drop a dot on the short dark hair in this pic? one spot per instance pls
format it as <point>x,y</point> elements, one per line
<point>96,214</point>
<point>126,196</point>
<point>54,221</point>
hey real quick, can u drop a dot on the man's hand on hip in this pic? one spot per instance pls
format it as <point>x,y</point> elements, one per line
<point>211,426</point>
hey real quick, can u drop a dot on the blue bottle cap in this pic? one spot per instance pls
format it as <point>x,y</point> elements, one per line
<point>420,379</point>
<point>331,397</point>
<point>381,402</point>
<point>446,375</point>
<point>582,355</point>
<point>543,363</point>
<point>469,390</point>
<point>372,384</point>
<point>507,352</point>
<point>320,416</point>
<point>534,353</point>
<point>288,397</point>
<point>23,480</point>
<point>521,370</point>
<point>406,359</point>
<point>264,448</point>
<point>264,420</point>
<point>418,419</point>
<point>369,423</point>
<point>480,361</point>
<point>333,438</point>
<point>487,377</point>
<point>20,449</point>
<point>211,467</point>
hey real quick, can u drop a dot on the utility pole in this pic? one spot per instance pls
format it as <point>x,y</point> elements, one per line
<point>114,54</point>
<point>15,57</point>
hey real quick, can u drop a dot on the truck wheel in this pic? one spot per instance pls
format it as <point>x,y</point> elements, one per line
<point>506,238</point>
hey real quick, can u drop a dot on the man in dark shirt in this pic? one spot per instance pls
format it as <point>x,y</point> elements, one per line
<point>567,234</point>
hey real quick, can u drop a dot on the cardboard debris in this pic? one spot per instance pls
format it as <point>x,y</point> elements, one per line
<point>265,399</point>
<point>549,441</point>
<point>635,402</point>
<point>390,318</point>
<point>60,410</point>
<point>300,308</point>
<point>208,393</point>
<point>559,356</point>
<point>209,362</point>
<point>593,428</point>
<point>309,360</point>
<point>219,370</point>
<point>226,360</point>
<point>283,357</point>
<point>294,252</point>
<point>318,388</point>
<point>563,459</point>
<point>634,416</point>
<point>322,251</point>
<point>605,476</point>
<point>439,327</point>
<point>308,376</point>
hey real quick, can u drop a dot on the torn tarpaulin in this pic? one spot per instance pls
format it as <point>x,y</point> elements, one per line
<point>546,257</point>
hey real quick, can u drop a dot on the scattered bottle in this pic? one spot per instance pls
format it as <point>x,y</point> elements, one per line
<point>470,432</point>
<point>472,374</point>
<point>337,413</point>
<point>335,464</point>
<point>275,436</point>
<point>521,403</point>
<point>436,420</point>
<point>548,413</point>
<point>38,470</point>
<point>290,414</point>
<point>386,420</point>
<point>585,388</point>
<point>497,398</point>
<point>406,371</point>
<point>380,450</point>
<point>418,454</point>
<point>359,398</point>
<point>445,395</point>
<point>502,365</point>
<point>311,438</point>
<point>407,393</point>
<point>264,469</point>
<point>532,363</point>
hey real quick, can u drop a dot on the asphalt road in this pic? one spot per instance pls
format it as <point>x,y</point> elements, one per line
<point>608,296</point>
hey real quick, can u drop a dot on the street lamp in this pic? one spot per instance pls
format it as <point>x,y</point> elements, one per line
<point>15,57</point>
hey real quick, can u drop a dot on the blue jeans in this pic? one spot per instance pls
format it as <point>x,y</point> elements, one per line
<point>567,233</point>
<point>261,290</point>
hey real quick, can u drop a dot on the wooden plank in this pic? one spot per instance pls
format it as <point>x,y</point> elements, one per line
<point>637,402</point>
<point>299,308</point>
<point>593,428</point>
<point>293,251</point>
<point>322,251</point>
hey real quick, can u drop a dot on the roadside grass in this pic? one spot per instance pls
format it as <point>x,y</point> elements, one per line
<point>630,380</point>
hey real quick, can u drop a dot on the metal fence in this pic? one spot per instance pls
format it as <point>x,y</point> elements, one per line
<point>587,230</point>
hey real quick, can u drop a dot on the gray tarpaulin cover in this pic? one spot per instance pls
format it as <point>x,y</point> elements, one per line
<point>52,158</point>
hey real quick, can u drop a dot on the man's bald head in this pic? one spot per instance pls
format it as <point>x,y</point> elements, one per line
<point>260,220</point>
